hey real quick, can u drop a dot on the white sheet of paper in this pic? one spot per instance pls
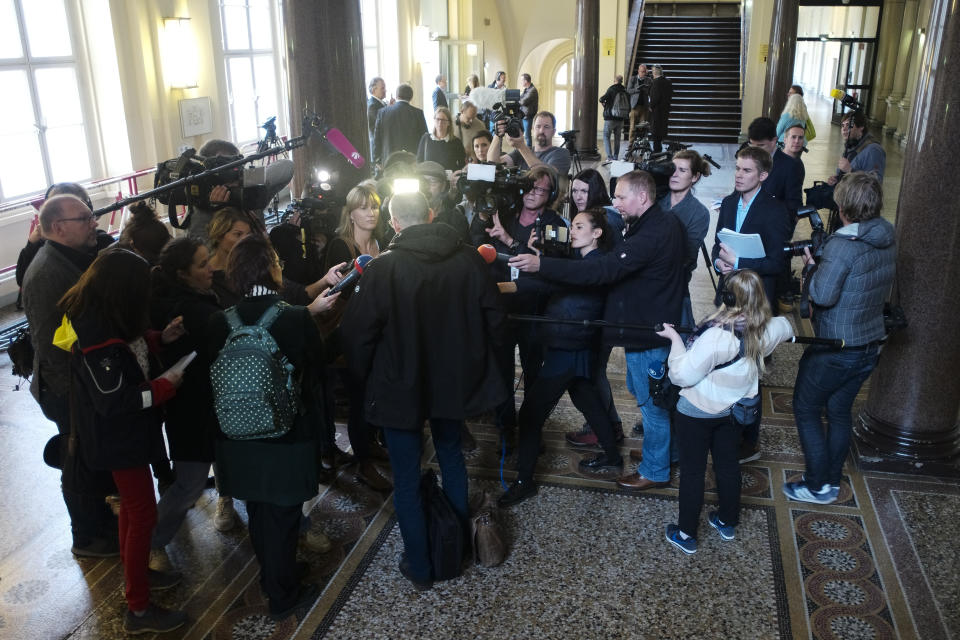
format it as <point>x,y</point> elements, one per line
<point>182,363</point>
<point>745,245</point>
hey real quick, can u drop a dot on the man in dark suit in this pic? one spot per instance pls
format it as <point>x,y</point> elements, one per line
<point>399,127</point>
<point>376,101</point>
<point>751,209</point>
<point>440,93</point>
<point>661,93</point>
<point>785,182</point>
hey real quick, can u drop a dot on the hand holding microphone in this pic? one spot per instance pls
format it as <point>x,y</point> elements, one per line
<point>489,254</point>
<point>351,278</point>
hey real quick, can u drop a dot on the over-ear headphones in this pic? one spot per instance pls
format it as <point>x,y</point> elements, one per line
<point>727,296</point>
<point>551,173</point>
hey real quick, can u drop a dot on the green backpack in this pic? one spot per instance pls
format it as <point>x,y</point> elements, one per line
<point>255,392</point>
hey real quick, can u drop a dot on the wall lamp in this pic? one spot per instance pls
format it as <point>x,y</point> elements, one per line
<point>178,53</point>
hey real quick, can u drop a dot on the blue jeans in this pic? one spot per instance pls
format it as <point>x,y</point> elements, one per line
<point>527,127</point>
<point>614,128</point>
<point>656,421</point>
<point>827,378</point>
<point>405,449</point>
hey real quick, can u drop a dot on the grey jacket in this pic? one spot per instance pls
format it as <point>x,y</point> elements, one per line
<point>48,277</point>
<point>852,281</point>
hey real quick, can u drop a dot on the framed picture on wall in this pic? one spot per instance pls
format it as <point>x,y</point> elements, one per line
<point>196,117</point>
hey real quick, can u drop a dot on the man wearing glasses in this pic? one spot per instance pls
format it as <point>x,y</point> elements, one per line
<point>70,230</point>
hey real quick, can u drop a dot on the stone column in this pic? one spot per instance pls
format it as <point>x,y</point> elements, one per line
<point>907,29</point>
<point>886,58</point>
<point>586,62</point>
<point>912,408</point>
<point>325,73</point>
<point>780,60</point>
<point>907,102</point>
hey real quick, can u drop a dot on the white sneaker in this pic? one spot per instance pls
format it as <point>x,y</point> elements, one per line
<point>160,561</point>
<point>226,516</point>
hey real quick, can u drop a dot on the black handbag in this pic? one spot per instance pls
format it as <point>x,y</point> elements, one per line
<point>445,533</point>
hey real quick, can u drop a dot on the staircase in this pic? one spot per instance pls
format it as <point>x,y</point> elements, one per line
<point>701,57</point>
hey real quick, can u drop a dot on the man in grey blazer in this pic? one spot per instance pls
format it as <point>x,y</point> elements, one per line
<point>69,228</point>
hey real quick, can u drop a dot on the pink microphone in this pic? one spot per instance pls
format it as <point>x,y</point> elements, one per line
<point>339,141</point>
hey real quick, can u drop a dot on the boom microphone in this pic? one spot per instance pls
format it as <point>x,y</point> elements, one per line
<point>339,142</point>
<point>846,100</point>
<point>490,255</point>
<point>351,278</point>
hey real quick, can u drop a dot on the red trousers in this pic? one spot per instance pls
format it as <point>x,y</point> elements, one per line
<point>138,516</point>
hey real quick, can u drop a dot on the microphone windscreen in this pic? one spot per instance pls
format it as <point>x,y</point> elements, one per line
<point>278,173</point>
<point>361,262</point>
<point>341,144</point>
<point>836,93</point>
<point>487,252</point>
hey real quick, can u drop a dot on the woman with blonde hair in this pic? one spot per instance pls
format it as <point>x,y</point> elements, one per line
<point>795,114</point>
<point>357,231</point>
<point>718,370</point>
<point>440,145</point>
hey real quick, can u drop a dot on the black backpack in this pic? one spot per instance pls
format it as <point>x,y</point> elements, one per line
<point>621,105</point>
<point>445,532</point>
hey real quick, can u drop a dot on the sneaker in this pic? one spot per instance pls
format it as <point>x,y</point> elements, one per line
<point>801,492</point>
<point>637,430</point>
<point>163,580</point>
<point>159,560</point>
<point>688,546</point>
<point>113,502</point>
<point>155,619</point>
<point>601,463</point>
<point>99,548</point>
<point>585,437</point>
<point>519,491</point>
<point>226,516</point>
<point>316,541</point>
<point>749,452</point>
<point>726,531</point>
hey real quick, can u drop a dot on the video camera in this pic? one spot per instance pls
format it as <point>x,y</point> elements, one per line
<point>570,139</point>
<point>494,189</point>
<point>818,236</point>
<point>553,242</point>
<point>509,110</point>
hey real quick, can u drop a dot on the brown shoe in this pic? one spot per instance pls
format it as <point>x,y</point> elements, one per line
<point>637,482</point>
<point>368,474</point>
<point>636,455</point>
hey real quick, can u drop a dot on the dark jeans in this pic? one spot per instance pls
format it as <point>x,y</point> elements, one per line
<point>540,400</point>
<point>84,489</point>
<point>525,337</point>
<point>828,379</point>
<point>602,383</point>
<point>697,436</point>
<point>405,449</point>
<point>274,530</point>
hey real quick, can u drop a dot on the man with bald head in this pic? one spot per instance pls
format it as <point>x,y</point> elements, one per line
<point>70,230</point>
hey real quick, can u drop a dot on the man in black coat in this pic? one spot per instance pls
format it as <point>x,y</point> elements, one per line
<point>399,127</point>
<point>648,279</point>
<point>785,182</point>
<point>375,102</point>
<point>419,327</point>
<point>751,209</point>
<point>661,93</point>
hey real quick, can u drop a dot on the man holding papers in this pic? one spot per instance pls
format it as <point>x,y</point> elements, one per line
<point>759,218</point>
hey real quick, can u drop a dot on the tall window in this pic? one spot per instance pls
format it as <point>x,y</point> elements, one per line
<point>249,51</point>
<point>563,95</point>
<point>380,41</point>
<point>43,130</point>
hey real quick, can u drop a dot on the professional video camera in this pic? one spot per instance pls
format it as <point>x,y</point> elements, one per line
<point>494,189</point>
<point>553,242</point>
<point>569,139</point>
<point>818,236</point>
<point>509,110</point>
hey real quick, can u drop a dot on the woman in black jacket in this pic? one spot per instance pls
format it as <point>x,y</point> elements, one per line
<point>118,417</point>
<point>274,475</point>
<point>569,362</point>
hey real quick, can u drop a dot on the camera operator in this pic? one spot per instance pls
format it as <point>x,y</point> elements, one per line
<point>467,124</point>
<point>543,152</point>
<point>435,186</point>
<point>219,195</point>
<point>861,150</point>
<point>511,236</point>
<point>847,292</point>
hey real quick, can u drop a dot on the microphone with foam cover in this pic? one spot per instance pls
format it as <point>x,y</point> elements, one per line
<point>339,142</point>
<point>351,278</point>
<point>846,100</point>
<point>490,255</point>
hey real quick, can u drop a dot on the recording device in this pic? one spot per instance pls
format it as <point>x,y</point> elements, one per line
<point>351,278</point>
<point>818,236</point>
<point>553,242</point>
<point>509,109</point>
<point>659,166</point>
<point>569,139</point>
<point>846,101</point>
<point>494,189</point>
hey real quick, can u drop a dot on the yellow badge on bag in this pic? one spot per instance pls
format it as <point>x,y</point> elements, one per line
<point>64,336</point>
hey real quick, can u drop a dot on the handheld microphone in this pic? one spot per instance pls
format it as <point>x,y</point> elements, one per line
<point>846,100</point>
<point>339,142</point>
<point>351,278</point>
<point>490,255</point>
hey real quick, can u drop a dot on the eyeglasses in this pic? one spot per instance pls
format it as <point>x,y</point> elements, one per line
<point>540,191</point>
<point>87,218</point>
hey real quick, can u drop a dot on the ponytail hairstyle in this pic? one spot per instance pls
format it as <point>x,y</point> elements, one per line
<point>749,313</point>
<point>144,233</point>
<point>698,166</point>
<point>598,220</point>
